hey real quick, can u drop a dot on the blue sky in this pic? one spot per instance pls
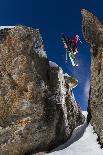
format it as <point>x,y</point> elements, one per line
<point>53,17</point>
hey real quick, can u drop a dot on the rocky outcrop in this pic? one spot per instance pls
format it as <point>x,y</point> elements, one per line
<point>93,33</point>
<point>37,108</point>
<point>71,81</point>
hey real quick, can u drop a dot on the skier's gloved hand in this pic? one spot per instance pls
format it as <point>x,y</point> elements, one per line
<point>76,51</point>
<point>65,46</point>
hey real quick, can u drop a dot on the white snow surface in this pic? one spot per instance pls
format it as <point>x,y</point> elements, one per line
<point>3,27</point>
<point>82,142</point>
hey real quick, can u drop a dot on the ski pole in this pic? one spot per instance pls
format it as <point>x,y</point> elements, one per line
<point>80,41</point>
<point>66,55</point>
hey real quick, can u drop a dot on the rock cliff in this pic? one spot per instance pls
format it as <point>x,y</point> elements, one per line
<point>93,33</point>
<point>37,108</point>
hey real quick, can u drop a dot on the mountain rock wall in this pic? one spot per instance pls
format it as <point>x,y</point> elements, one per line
<point>93,33</point>
<point>37,108</point>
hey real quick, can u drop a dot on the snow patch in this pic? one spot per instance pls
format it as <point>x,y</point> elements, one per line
<point>8,27</point>
<point>53,64</point>
<point>67,75</point>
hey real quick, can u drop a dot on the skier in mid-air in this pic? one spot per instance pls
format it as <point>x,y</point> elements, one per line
<point>71,48</point>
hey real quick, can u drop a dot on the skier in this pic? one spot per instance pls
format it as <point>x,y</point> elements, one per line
<point>73,44</point>
<point>71,48</point>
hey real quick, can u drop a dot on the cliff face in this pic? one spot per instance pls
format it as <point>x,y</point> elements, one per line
<point>37,108</point>
<point>93,33</point>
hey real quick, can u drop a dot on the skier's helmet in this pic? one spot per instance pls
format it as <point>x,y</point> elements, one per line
<point>77,36</point>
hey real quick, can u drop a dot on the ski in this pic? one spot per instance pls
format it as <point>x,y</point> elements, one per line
<point>69,50</point>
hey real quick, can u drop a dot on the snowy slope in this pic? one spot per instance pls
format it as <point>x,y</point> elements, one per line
<point>82,142</point>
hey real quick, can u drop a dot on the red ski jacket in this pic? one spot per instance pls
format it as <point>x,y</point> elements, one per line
<point>75,40</point>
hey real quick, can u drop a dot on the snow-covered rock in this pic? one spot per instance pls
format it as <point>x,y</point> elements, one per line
<point>67,75</point>
<point>71,81</point>
<point>52,64</point>
<point>7,27</point>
